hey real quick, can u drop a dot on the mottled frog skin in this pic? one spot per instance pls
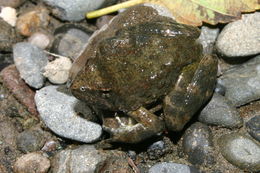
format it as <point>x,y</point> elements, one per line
<point>139,66</point>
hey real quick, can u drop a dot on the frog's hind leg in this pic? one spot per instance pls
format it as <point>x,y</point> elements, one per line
<point>193,88</point>
<point>148,124</point>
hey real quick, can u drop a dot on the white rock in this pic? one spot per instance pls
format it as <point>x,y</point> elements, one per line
<point>9,15</point>
<point>57,71</point>
<point>40,40</point>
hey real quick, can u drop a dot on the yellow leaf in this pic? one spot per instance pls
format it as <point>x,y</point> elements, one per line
<point>193,12</point>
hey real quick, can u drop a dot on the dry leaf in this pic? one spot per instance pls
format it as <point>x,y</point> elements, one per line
<point>194,12</point>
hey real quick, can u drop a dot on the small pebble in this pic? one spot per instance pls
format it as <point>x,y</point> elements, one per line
<point>57,71</point>
<point>240,151</point>
<point>219,111</point>
<point>32,163</point>
<point>167,167</point>
<point>156,150</point>
<point>9,15</point>
<point>207,38</point>
<point>11,3</point>
<point>33,21</point>
<point>198,144</point>
<point>75,10</point>
<point>253,127</point>
<point>40,40</point>
<point>7,36</point>
<point>30,140</point>
<point>50,145</point>
<point>30,61</point>
<point>242,82</point>
<point>57,110</point>
<point>240,38</point>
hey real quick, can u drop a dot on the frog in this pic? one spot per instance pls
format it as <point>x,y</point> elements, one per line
<point>143,74</point>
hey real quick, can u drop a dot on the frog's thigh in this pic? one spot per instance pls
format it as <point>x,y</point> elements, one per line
<point>194,87</point>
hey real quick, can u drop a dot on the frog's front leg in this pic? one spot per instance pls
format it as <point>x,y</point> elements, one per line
<point>193,88</point>
<point>148,124</point>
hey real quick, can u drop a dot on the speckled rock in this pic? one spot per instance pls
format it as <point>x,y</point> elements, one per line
<point>30,140</point>
<point>219,111</point>
<point>208,37</point>
<point>240,38</point>
<point>33,21</point>
<point>32,163</point>
<point>169,167</point>
<point>30,60</point>
<point>242,82</point>
<point>198,144</point>
<point>11,3</point>
<point>57,71</point>
<point>253,127</point>
<point>7,36</point>
<point>156,150</point>
<point>57,110</point>
<point>241,151</point>
<point>75,10</point>
<point>9,15</point>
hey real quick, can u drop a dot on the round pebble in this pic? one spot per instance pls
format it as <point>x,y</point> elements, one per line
<point>253,127</point>
<point>241,151</point>
<point>57,71</point>
<point>219,111</point>
<point>165,167</point>
<point>32,163</point>
<point>30,61</point>
<point>57,110</point>
<point>240,38</point>
<point>40,40</point>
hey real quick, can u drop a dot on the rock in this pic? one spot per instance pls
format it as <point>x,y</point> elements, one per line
<point>220,89</point>
<point>5,60</point>
<point>241,151</point>
<point>168,167</point>
<point>253,127</point>
<point>219,111</point>
<point>240,38</point>
<point>11,3</point>
<point>103,20</point>
<point>32,163</point>
<point>7,36</point>
<point>33,21</point>
<point>30,140</point>
<point>50,145</point>
<point>57,110</point>
<point>3,169</point>
<point>207,38</point>
<point>40,40</point>
<point>29,61</point>
<point>9,15</point>
<point>57,71</point>
<point>70,40</point>
<point>75,10</point>
<point>156,150</point>
<point>198,144</point>
<point>242,82</point>
<point>22,92</point>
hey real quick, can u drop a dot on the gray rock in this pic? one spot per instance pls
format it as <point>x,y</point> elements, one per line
<point>240,38</point>
<point>7,36</point>
<point>57,110</point>
<point>208,37</point>
<point>82,159</point>
<point>198,144</point>
<point>156,150</point>
<point>242,82</point>
<point>165,167</point>
<point>241,151</point>
<point>30,60</point>
<point>70,42</point>
<point>30,140</point>
<point>75,10</point>
<point>219,111</point>
<point>253,127</point>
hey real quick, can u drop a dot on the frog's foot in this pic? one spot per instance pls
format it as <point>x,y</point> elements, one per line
<point>147,125</point>
<point>194,87</point>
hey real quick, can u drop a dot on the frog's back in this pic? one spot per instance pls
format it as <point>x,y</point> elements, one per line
<point>141,64</point>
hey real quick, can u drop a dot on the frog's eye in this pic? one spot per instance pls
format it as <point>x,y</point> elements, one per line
<point>82,88</point>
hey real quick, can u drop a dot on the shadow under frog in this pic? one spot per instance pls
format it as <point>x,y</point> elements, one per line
<point>148,61</point>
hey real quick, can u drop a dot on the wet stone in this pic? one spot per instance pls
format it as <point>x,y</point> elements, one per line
<point>241,151</point>
<point>156,150</point>
<point>207,38</point>
<point>198,144</point>
<point>57,109</point>
<point>242,82</point>
<point>219,111</point>
<point>30,60</point>
<point>240,38</point>
<point>253,127</point>
<point>169,167</point>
